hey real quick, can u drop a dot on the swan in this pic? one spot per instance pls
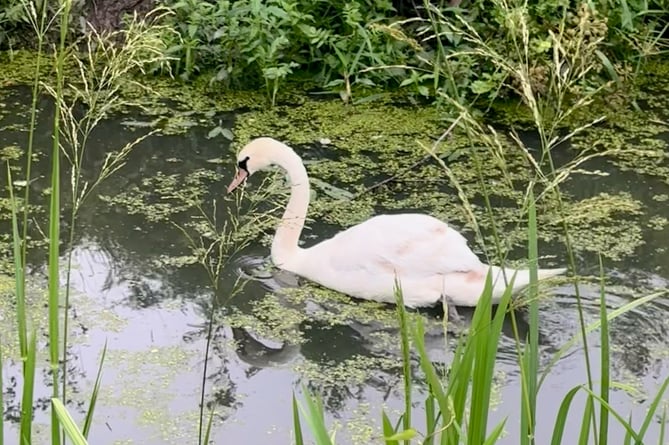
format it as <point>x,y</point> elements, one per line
<point>431,260</point>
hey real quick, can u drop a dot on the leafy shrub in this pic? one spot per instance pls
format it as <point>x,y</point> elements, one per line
<point>247,43</point>
<point>12,15</point>
<point>604,42</point>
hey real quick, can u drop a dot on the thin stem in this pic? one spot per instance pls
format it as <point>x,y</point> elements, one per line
<point>54,225</point>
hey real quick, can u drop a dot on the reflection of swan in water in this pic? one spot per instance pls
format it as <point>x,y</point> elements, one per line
<point>358,337</point>
<point>256,353</point>
<point>256,268</point>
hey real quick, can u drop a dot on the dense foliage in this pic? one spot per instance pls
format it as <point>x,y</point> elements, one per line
<point>344,46</point>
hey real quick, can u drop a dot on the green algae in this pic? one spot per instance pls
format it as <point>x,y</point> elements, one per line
<point>367,144</point>
<point>354,148</point>
<point>147,387</point>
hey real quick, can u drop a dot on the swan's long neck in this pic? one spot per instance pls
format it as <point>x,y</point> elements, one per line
<point>285,249</point>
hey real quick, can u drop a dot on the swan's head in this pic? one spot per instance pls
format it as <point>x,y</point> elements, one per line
<point>256,155</point>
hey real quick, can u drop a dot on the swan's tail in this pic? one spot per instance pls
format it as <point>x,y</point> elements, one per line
<point>521,280</point>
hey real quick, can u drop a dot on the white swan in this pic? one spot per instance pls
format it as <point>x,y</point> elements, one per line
<point>431,260</point>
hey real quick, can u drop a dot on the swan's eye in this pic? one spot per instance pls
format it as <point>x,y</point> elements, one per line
<point>242,164</point>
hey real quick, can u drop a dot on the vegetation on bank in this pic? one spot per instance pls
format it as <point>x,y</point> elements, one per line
<point>557,58</point>
<point>361,47</point>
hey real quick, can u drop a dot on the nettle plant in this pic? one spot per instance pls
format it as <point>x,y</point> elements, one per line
<point>249,43</point>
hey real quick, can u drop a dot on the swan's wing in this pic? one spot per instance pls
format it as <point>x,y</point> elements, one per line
<point>406,244</point>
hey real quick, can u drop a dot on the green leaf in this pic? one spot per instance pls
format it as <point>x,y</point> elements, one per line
<point>406,355</point>
<point>94,395</point>
<point>561,419</point>
<point>663,425</point>
<point>652,409</point>
<point>218,130</point>
<point>210,422</point>
<point>604,357</point>
<point>297,426</point>
<point>403,435</point>
<point>626,16</point>
<point>613,74</point>
<point>614,413</point>
<point>481,86</point>
<point>496,433</point>
<point>70,428</point>
<point>530,355</point>
<point>430,420</point>
<point>315,418</point>
<point>585,421</point>
<point>28,390</point>
<point>388,429</point>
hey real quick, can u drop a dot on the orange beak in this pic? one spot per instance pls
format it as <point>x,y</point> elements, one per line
<point>239,178</point>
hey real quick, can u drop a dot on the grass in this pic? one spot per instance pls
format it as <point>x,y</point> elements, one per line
<point>101,75</point>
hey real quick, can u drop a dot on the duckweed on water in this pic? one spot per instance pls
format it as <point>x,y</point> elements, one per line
<point>147,378</point>
<point>657,222</point>
<point>602,224</point>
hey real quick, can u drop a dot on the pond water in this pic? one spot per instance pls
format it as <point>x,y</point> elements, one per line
<point>132,291</point>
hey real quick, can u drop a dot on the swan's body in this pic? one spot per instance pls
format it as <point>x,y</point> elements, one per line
<point>430,259</point>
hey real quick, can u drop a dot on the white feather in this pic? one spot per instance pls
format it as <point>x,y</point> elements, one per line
<point>430,259</point>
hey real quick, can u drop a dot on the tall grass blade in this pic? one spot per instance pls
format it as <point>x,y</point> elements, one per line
<point>54,282</point>
<point>433,381</point>
<point>605,364</point>
<point>27,352</point>
<point>40,32</point>
<point>561,419</point>
<point>652,409</point>
<point>297,426</point>
<point>605,405</point>
<point>19,277</point>
<point>314,416</point>
<point>485,339</point>
<point>25,430</point>
<point>460,375</point>
<point>530,361</point>
<point>610,69</point>
<point>663,425</point>
<point>69,427</point>
<point>430,420</point>
<point>54,224</point>
<point>405,435</point>
<point>628,437</point>
<point>585,424</point>
<point>388,429</point>
<point>88,421</point>
<point>210,422</point>
<point>406,357</point>
<point>495,434</point>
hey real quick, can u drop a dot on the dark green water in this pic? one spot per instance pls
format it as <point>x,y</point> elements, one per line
<point>153,316</point>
